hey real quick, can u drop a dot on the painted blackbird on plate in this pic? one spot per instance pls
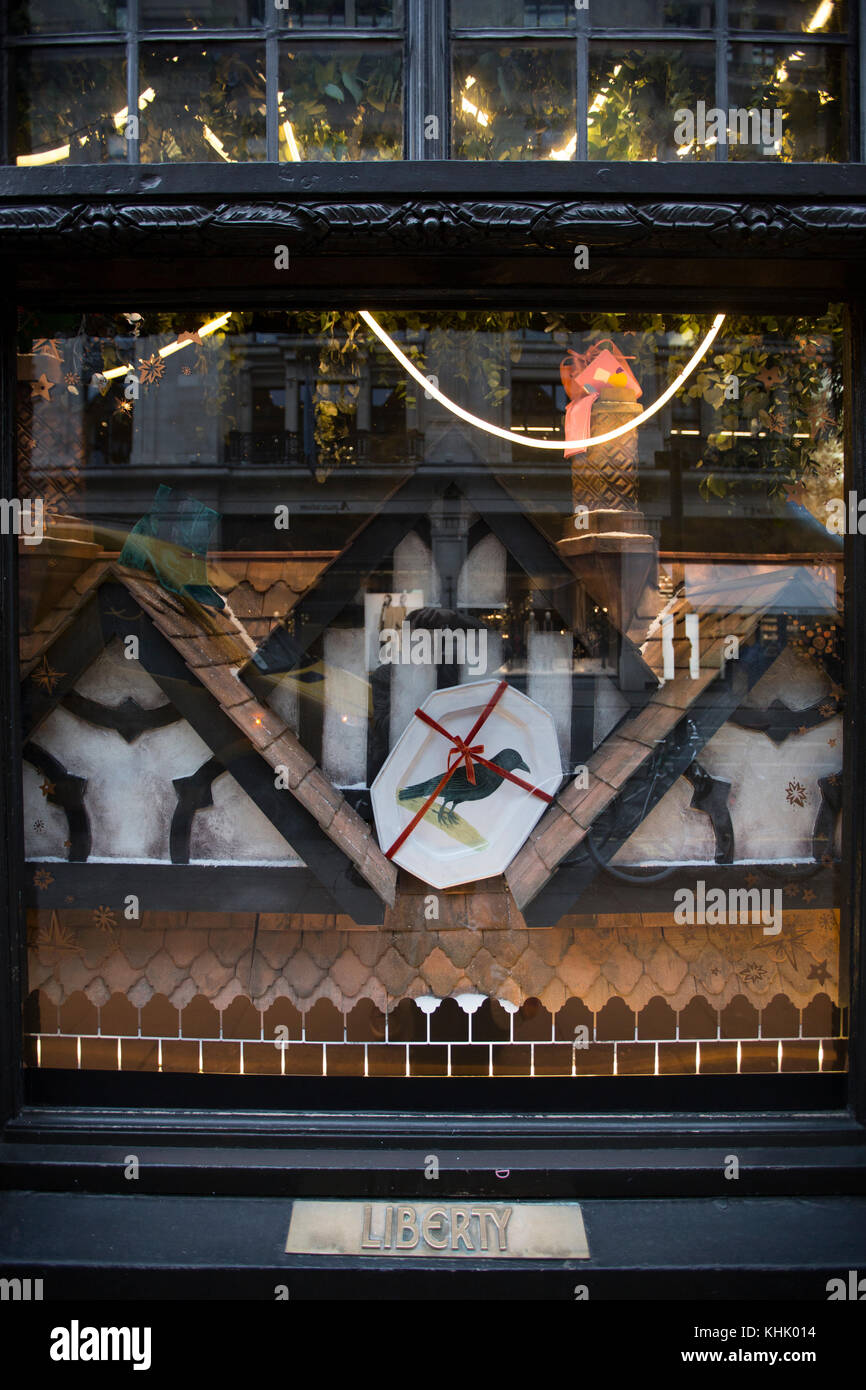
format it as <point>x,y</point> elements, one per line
<point>459,788</point>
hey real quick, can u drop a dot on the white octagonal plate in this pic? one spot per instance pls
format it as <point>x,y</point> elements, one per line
<point>470,831</point>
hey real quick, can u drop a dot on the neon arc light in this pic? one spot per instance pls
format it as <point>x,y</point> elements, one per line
<point>556,446</point>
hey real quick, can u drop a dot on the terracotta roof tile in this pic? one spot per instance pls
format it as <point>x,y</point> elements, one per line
<point>616,760</point>
<point>648,728</point>
<point>205,650</point>
<point>288,752</point>
<point>246,602</point>
<point>259,723</point>
<point>224,685</point>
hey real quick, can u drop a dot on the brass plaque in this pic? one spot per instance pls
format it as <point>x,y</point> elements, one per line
<point>447,1230</point>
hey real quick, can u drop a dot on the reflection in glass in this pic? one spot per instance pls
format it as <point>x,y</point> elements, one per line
<point>803,89</point>
<point>661,14</point>
<point>517,14</point>
<point>160,506</point>
<point>201,14</point>
<point>65,16</point>
<point>792,16</point>
<point>341,103</point>
<point>70,105</point>
<point>343,14</point>
<point>206,105</point>
<point>513,103</point>
<point>635,95</point>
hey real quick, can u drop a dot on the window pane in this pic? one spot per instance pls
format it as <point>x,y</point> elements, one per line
<point>341,102</point>
<point>800,96</point>
<point>513,103</point>
<point>636,97</point>
<point>795,16</point>
<point>252,499</point>
<point>517,14</point>
<point>660,14</point>
<point>343,14</point>
<point>205,104</point>
<point>70,105</point>
<point>201,14</point>
<point>65,16</point>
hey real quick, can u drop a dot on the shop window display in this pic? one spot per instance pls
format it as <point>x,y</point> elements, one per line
<point>265,549</point>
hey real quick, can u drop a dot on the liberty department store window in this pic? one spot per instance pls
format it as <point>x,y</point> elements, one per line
<point>267,547</point>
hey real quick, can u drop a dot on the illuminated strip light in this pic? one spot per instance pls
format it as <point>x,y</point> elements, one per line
<point>144,100</point>
<point>820,17</point>
<point>203,332</point>
<point>217,144</point>
<point>292,143</point>
<point>45,157</point>
<point>523,439</point>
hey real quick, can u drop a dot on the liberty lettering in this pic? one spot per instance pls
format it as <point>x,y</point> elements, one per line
<point>458,1228</point>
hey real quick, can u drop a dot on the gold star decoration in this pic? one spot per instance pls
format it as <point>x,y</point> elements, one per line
<point>796,794</point>
<point>818,972</point>
<point>831,742</point>
<point>41,387</point>
<point>187,371</point>
<point>152,369</point>
<point>42,878</point>
<point>122,407</point>
<point>103,918</point>
<point>770,377</point>
<point>808,895</point>
<point>46,676</point>
<point>57,937</point>
<point>47,788</point>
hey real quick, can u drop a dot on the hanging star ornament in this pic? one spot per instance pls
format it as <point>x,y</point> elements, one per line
<point>41,387</point>
<point>152,369</point>
<point>46,676</point>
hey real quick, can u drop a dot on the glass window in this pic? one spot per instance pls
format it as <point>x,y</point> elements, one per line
<point>204,104</point>
<point>513,103</point>
<point>201,14</point>
<point>65,16</point>
<point>238,588</point>
<point>635,96</point>
<point>513,14</point>
<point>343,103</point>
<point>793,16</point>
<point>343,14</point>
<point>797,95</point>
<point>70,105</point>
<point>661,14</point>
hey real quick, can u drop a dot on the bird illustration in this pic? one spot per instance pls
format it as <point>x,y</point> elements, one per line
<point>459,788</point>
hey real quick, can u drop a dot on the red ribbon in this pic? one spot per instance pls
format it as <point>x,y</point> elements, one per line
<point>463,751</point>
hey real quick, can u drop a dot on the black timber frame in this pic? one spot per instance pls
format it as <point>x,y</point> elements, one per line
<point>721,237</point>
<point>103,616</point>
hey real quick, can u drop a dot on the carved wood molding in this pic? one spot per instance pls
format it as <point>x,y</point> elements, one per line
<point>712,228</point>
